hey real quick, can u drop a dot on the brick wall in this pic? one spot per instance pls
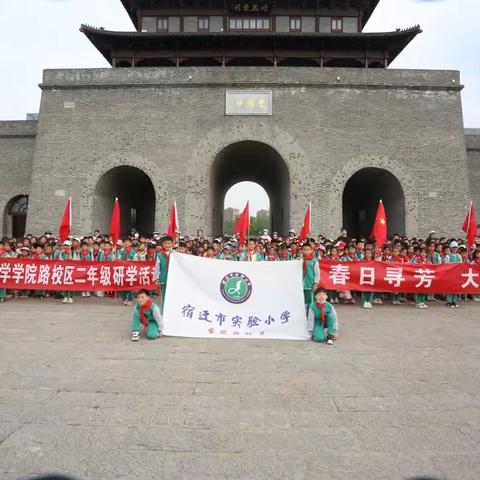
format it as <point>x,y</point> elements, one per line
<point>326,124</point>
<point>473,157</point>
<point>17,144</point>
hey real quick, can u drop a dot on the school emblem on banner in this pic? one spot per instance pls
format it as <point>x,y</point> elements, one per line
<point>236,287</point>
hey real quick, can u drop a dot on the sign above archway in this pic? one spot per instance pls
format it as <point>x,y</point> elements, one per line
<point>248,102</point>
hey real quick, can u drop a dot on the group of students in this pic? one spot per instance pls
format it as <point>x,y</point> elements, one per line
<point>156,248</point>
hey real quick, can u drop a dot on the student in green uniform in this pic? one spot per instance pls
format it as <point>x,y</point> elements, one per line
<point>85,255</point>
<point>217,249</point>
<point>435,258</point>
<point>284,254</point>
<point>105,254</point>
<point>367,297</point>
<point>451,255</point>
<point>311,274</point>
<point>39,255</point>
<point>321,316</point>
<point>127,253</point>
<point>161,265</point>
<point>146,313</point>
<point>250,254</point>
<point>65,254</point>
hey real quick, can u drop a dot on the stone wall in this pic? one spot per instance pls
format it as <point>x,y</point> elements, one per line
<point>473,157</point>
<point>17,144</point>
<point>326,124</point>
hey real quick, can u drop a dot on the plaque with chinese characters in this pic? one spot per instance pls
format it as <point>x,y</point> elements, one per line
<point>253,7</point>
<point>248,102</point>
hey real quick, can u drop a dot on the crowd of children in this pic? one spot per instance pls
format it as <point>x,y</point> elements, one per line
<point>157,248</point>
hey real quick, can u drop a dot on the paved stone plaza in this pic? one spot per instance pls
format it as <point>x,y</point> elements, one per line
<point>398,395</point>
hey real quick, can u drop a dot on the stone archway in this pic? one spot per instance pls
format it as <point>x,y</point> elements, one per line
<point>395,168</point>
<point>136,195</point>
<point>360,199</point>
<point>15,216</point>
<point>256,162</point>
<point>199,202</point>
<point>100,168</point>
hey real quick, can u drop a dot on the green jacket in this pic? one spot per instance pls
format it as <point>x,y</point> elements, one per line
<point>311,273</point>
<point>122,255</point>
<point>314,319</point>
<point>161,267</point>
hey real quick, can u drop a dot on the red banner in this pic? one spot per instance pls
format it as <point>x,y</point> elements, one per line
<point>27,274</point>
<point>400,277</point>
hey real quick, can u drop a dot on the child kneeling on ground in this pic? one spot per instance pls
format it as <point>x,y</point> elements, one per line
<point>146,313</point>
<point>321,316</point>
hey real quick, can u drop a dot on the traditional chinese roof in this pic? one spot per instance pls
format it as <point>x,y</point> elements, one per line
<point>132,6</point>
<point>392,43</point>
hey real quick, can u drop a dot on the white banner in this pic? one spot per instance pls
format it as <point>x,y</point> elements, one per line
<point>226,299</point>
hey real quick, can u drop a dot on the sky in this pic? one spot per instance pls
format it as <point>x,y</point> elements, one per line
<point>38,34</point>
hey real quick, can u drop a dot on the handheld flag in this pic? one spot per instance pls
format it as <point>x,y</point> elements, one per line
<point>66,224</point>
<point>115,223</point>
<point>307,225</point>
<point>173,223</point>
<point>470,226</point>
<point>243,225</point>
<point>379,232</point>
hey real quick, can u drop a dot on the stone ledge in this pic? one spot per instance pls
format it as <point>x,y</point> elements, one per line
<point>472,137</point>
<point>18,128</point>
<point>251,76</point>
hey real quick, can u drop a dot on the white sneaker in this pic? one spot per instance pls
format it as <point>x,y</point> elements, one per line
<point>365,305</point>
<point>70,300</point>
<point>84,294</point>
<point>135,336</point>
<point>65,300</point>
<point>329,341</point>
<point>87,294</point>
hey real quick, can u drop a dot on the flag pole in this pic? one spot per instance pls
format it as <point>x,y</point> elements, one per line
<point>248,231</point>
<point>468,230</point>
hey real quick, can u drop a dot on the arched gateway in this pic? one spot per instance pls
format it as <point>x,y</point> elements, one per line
<point>257,162</point>
<point>135,191</point>
<point>360,199</point>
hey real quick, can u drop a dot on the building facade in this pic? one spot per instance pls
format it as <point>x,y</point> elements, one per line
<point>201,96</point>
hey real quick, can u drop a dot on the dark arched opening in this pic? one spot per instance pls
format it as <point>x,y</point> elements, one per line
<point>15,216</point>
<point>360,201</point>
<point>136,195</point>
<point>255,162</point>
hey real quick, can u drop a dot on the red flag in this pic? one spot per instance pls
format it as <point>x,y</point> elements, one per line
<point>66,225</point>
<point>115,223</point>
<point>243,225</point>
<point>307,225</point>
<point>173,224</point>
<point>470,226</point>
<point>379,232</point>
